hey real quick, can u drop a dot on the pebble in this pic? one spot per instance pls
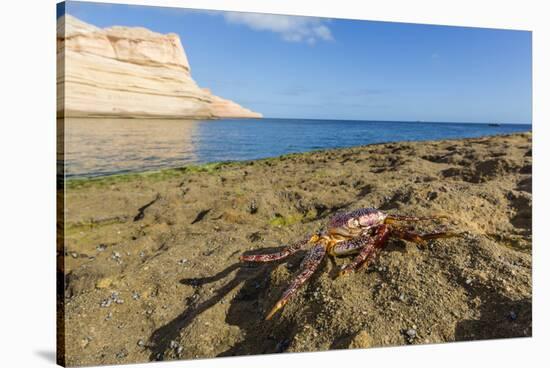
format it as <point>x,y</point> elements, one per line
<point>253,207</point>
<point>109,316</point>
<point>431,196</point>
<point>85,341</point>
<point>101,247</point>
<point>411,333</point>
<point>74,255</point>
<point>468,281</point>
<point>173,344</point>
<point>181,262</point>
<point>115,297</point>
<point>141,343</point>
<point>179,350</point>
<point>402,297</point>
<point>116,257</point>
<point>135,295</point>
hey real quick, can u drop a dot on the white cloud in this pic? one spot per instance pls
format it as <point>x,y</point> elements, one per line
<point>291,28</point>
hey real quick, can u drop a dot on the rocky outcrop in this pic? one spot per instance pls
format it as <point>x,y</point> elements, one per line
<point>130,72</point>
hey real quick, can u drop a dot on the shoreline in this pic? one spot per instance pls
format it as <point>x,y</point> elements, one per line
<point>208,166</point>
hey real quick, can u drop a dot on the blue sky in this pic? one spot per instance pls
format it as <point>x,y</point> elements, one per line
<point>305,67</point>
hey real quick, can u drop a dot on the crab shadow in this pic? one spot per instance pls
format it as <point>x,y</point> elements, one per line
<point>259,294</point>
<point>246,309</point>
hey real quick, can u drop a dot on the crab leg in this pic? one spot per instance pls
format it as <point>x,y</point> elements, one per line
<point>373,245</point>
<point>287,251</point>
<point>307,268</point>
<point>350,246</point>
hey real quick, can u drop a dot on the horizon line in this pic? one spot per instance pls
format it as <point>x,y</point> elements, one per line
<point>401,121</point>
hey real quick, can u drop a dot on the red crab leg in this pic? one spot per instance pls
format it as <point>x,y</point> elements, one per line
<point>350,246</point>
<point>307,268</point>
<point>291,249</point>
<point>370,248</point>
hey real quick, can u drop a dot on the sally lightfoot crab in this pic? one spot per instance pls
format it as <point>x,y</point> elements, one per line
<point>363,232</point>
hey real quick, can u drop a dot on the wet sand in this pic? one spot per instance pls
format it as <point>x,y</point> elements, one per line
<point>152,270</point>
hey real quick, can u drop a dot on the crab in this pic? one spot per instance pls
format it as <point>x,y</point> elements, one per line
<point>363,232</point>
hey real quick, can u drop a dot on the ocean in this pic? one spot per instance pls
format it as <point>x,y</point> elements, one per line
<point>98,147</point>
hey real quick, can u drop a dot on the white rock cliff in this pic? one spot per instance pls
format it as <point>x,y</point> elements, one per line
<point>130,72</point>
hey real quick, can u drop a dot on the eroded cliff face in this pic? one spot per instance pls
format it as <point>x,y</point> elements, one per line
<point>130,72</point>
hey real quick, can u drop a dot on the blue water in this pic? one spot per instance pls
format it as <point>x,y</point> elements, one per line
<point>97,147</point>
<point>252,139</point>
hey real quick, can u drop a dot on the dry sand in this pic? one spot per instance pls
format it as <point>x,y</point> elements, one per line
<point>152,269</point>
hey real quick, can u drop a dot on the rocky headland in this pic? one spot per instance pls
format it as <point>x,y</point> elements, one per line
<point>131,73</point>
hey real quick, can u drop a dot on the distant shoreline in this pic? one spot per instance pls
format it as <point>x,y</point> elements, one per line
<point>197,118</point>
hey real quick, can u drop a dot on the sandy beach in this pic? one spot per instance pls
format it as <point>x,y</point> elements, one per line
<point>152,269</point>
